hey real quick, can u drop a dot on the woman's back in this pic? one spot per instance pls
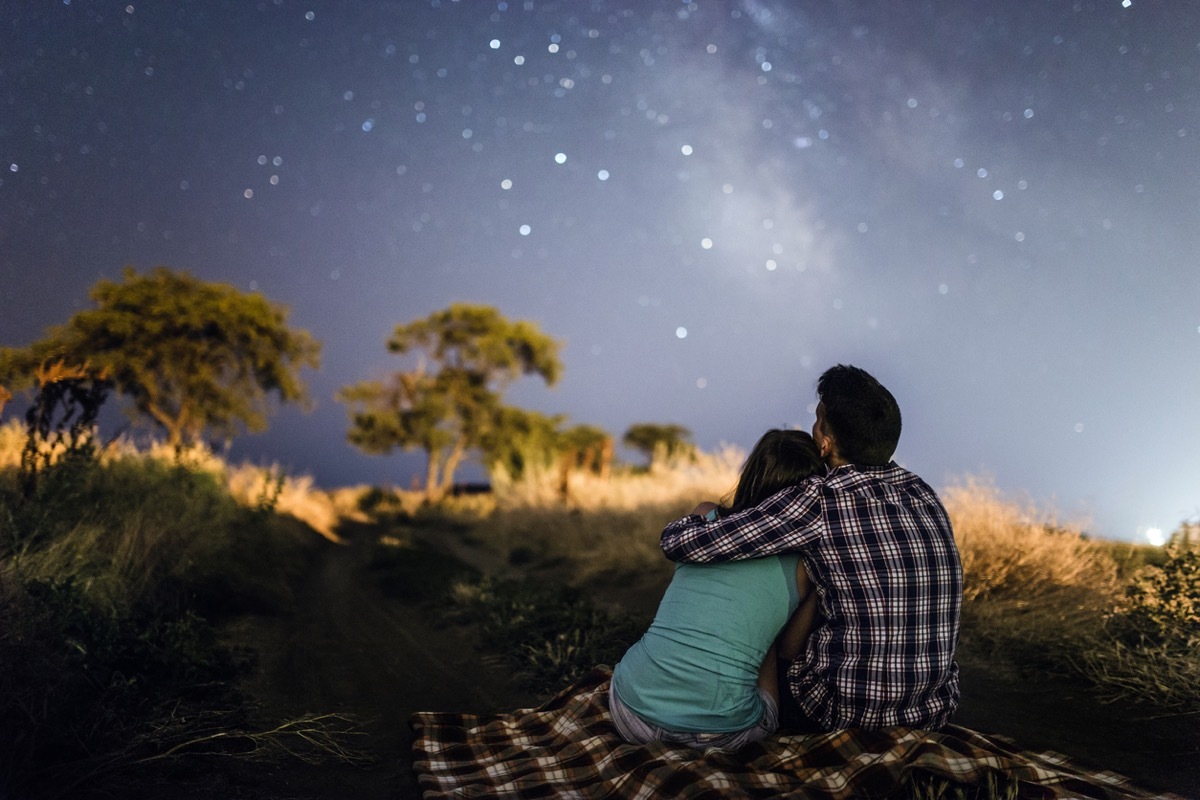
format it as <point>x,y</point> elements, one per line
<point>697,666</point>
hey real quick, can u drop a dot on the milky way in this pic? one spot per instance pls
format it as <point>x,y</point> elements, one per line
<point>993,207</point>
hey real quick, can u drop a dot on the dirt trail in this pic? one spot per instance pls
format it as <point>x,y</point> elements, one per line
<point>350,649</point>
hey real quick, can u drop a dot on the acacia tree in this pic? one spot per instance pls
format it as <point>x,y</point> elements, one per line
<point>191,355</point>
<point>448,400</point>
<point>520,441</point>
<point>659,442</point>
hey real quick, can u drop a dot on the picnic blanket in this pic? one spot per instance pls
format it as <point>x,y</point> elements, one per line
<point>569,748</point>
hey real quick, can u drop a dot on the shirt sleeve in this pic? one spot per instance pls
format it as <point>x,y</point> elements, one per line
<point>784,523</point>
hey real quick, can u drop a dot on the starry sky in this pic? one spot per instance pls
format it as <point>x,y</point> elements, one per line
<point>994,207</point>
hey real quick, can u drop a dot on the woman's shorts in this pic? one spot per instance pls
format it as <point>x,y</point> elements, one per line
<point>638,731</point>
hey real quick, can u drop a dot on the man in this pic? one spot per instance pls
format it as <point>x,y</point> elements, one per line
<point>881,557</point>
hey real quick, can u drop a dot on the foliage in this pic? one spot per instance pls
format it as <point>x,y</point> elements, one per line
<point>61,422</point>
<point>108,575</point>
<point>191,355</point>
<point>1151,649</point>
<point>548,633</point>
<point>449,399</point>
<point>521,442</point>
<point>660,443</point>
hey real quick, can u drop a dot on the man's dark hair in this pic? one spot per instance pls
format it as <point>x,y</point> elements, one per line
<point>861,414</point>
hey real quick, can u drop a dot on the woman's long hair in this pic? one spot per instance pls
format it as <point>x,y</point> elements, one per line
<point>782,458</point>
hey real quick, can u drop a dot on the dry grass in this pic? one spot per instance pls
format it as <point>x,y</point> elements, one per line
<point>1013,551</point>
<point>704,476</point>
<point>251,485</point>
<point>1035,591</point>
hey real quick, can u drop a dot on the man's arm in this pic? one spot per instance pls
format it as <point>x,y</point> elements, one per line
<point>782,524</point>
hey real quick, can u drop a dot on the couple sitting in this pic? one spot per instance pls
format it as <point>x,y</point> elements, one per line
<point>825,596</point>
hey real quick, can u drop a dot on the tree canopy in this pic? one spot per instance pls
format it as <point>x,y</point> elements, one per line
<point>659,442</point>
<point>191,355</point>
<point>449,398</point>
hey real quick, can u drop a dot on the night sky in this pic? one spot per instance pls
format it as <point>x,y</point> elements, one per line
<point>994,207</point>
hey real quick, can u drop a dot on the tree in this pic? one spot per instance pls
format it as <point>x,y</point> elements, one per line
<point>520,442</point>
<point>448,401</point>
<point>659,442</point>
<point>191,355</point>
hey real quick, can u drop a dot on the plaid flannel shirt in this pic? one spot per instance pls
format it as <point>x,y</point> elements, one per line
<point>880,553</point>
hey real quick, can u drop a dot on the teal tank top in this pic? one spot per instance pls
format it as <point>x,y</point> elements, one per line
<point>696,668</point>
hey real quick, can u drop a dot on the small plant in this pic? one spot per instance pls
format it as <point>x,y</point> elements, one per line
<point>550,634</point>
<point>61,423</point>
<point>1151,651</point>
<point>922,786</point>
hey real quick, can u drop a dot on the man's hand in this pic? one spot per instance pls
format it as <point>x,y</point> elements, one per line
<point>704,508</point>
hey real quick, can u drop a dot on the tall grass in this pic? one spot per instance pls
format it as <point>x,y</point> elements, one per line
<point>1035,591</point>
<point>1039,595</point>
<point>110,573</point>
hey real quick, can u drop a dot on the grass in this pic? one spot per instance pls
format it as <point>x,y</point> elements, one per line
<point>112,574</point>
<point>1039,595</point>
<point>111,577</point>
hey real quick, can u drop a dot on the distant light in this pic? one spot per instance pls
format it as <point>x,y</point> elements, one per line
<point>525,230</point>
<point>1155,535</point>
<point>681,332</point>
<point>686,149</point>
<point>706,243</point>
<point>560,158</point>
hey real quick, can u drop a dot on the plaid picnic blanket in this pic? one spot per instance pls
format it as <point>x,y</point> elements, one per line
<point>568,748</point>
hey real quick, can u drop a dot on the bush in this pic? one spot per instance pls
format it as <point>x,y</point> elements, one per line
<point>1151,651</point>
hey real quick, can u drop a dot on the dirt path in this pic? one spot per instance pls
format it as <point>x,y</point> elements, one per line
<point>350,649</point>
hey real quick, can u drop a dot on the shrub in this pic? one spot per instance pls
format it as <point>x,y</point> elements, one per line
<point>1151,651</point>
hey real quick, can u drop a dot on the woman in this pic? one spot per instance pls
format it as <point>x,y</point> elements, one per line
<point>704,674</point>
